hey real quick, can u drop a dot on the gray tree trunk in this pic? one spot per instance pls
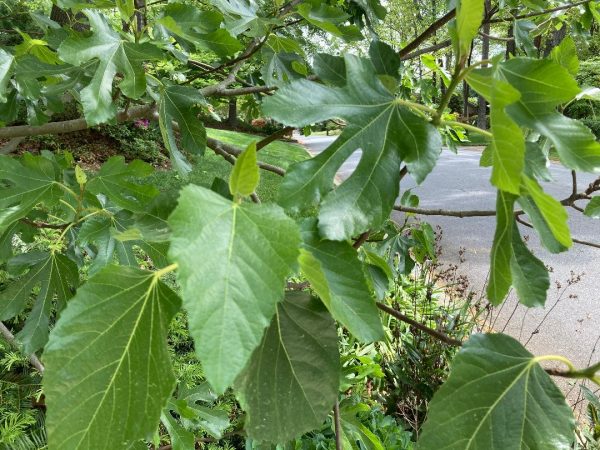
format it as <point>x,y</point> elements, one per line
<point>59,15</point>
<point>554,40</point>
<point>232,118</point>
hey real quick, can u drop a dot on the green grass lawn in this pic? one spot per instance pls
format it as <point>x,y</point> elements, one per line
<point>475,140</point>
<point>211,166</point>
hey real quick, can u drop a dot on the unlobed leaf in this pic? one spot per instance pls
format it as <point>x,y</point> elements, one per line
<point>501,254</point>
<point>245,174</point>
<point>291,382</point>
<point>497,397</point>
<point>233,260</point>
<point>335,273</point>
<point>547,215</point>
<point>507,149</point>
<point>512,263</point>
<point>592,209</point>
<point>529,275</point>
<point>469,14</point>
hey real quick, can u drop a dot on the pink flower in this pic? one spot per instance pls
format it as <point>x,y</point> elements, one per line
<point>142,123</point>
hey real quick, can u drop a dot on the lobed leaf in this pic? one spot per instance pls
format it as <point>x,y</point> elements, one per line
<point>386,132</point>
<point>108,374</point>
<point>114,56</point>
<point>177,104</point>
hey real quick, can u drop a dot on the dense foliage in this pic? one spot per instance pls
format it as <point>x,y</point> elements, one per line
<point>272,290</point>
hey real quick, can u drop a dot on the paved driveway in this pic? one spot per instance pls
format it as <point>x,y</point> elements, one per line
<point>572,326</point>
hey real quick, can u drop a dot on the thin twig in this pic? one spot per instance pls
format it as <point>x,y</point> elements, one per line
<point>273,137</point>
<point>430,331</point>
<point>539,13</point>
<point>496,38</point>
<point>228,151</point>
<point>577,241</point>
<point>430,49</point>
<point>52,226</point>
<point>338,426</point>
<point>446,212</point>
<point>430,31</point>
<point>361,240</point>
<point>10,338</point>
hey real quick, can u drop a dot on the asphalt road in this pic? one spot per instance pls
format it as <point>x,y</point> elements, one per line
<point>572,325</point>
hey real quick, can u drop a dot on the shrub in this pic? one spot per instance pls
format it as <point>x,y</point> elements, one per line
<point>589,72</point>
<point>580,109</point>
<point>594,125</point>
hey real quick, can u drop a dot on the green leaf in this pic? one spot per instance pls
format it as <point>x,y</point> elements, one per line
<point>523,32</point>
<point>592,209</point>
<point>115,180</point>
<point>547,215</point>
<point>97,231</point>
<point>507,148</point>
<point>114,56</point>
<point>330,19</point>
<point>529,275</point>
<point>330,69</point>
<point>336,275</point>
<point>543,85</point>
<point>536,162</point>
<point>354,430</point>
<point>279,68</point>
<point>54,278</point>
<point>200,28</point>
<point>80,176</point>
<point>6,65</point>
<point>30,181</point>
<point>181,439</point>
<point>384,58</point>
<point>241,15</point>
<point>108,374</point>
<point>126,9</point>
<point>177,105</point>
<point>469,15</point>
<point>291,382</point>
<point>244,253</point>
<point>387,132</point>
<point>245,175</point>
<point>151,225</point>
<point>379,273</point>
<point>430,62</point>
<point>501,254</point>
<point>565,54</point>
<point>212,420</point>
<point>497,397</point>
<point>37,48</point>
<point>279,44</point>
